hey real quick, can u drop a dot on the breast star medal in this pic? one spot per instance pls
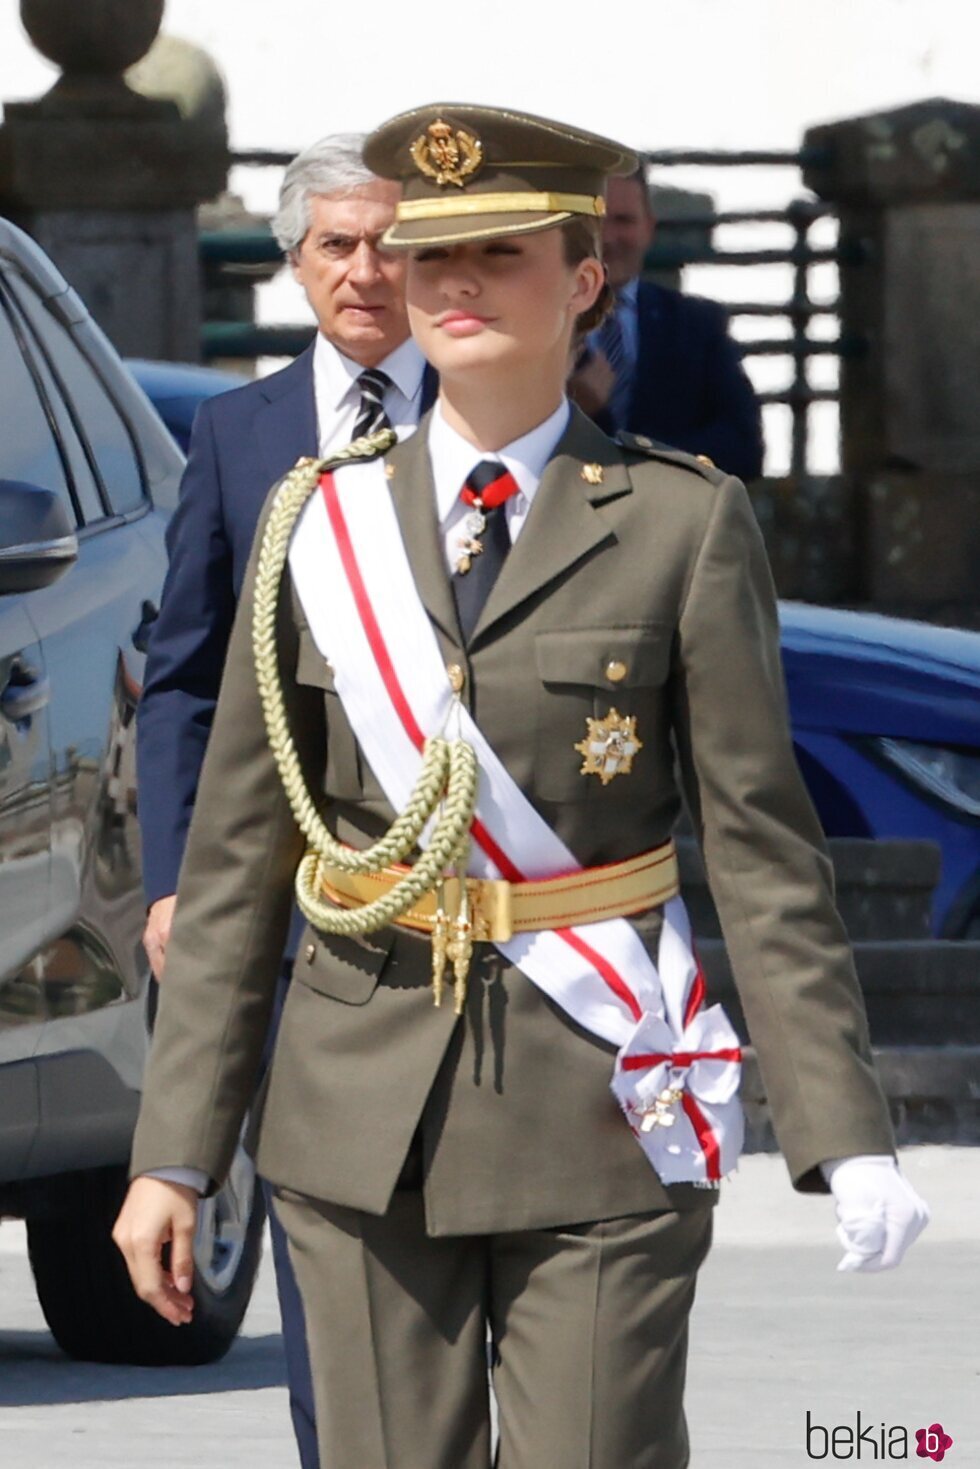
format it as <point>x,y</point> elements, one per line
<point>609,747</point>
<point>446,156</point>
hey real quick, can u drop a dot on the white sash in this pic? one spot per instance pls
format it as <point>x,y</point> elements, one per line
<point>353,578</point>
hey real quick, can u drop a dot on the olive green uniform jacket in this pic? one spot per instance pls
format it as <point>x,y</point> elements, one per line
<point>661,567</point>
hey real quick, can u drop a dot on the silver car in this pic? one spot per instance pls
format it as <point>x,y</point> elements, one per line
<point>88,478</point>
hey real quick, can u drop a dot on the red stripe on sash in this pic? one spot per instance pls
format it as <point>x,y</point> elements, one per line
<point>396,693</point>
<point>679,1058</point>
<point>698,990</point>
<point>705,1136</point>
<point>610,975</point>
<point>366,612</point>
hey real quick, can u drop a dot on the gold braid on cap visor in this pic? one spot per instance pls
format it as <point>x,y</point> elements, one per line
<point>523,203</point>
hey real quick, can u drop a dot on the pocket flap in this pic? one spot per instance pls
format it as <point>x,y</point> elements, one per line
<point>606,657</point>
<point>311,666</point>
<point>343,966</point>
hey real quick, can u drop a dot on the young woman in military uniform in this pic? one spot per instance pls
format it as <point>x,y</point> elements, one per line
<point>515,630</point>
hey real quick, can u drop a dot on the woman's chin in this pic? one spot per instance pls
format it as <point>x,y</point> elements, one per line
<point>468,354</point>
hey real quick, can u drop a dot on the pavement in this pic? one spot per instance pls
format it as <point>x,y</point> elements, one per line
<point>777,1335</point>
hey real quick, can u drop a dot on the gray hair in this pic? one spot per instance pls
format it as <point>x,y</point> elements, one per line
<point>333,165</point>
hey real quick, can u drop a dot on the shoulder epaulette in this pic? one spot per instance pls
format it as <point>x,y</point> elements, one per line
<point>696,463</point>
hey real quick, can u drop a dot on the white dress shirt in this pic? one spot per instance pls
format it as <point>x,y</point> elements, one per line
<point>453,458</point>
<point>338,397</point>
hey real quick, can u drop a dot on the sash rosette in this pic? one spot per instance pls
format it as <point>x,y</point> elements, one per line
<point>681,1096</point>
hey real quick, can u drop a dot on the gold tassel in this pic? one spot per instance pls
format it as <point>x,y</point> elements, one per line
<point>461,944</point>
<point>440,951</point>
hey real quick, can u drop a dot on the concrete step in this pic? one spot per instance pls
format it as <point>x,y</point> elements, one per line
<point>933,1094</point>
<point>924,992</point>
<point>884,888</point>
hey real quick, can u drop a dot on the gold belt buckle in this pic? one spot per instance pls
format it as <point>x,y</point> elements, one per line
<point>490,909</point>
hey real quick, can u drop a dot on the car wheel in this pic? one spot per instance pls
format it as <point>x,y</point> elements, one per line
<point>86,1294</point>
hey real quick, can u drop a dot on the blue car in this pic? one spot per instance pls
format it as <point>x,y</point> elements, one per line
<point>886,722</point>
<point>885,712</point>
<point>177,389</point>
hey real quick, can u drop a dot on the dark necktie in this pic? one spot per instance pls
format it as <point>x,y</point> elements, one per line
<point>484,539</point>
<point>371,415</point>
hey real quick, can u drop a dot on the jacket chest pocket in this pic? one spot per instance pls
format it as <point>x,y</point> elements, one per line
<point>587,673</point>
<point>343,775</point>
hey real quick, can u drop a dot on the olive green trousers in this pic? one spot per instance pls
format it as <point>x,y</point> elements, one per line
<point>588,1326</point>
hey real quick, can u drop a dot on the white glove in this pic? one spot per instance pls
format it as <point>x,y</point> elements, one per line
<point>879,1212</point>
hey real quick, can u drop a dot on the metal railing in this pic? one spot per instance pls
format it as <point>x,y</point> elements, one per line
<point>670,251</point>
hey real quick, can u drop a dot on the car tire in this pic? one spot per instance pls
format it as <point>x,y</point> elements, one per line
<point>84,1288</point>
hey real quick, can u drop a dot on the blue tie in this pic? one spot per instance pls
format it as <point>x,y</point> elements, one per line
<point>613,345</point>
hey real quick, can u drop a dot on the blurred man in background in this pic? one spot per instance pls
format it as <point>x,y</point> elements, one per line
<point>663,364</point>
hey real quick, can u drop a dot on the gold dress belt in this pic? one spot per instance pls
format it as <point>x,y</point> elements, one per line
<point>498,909</point>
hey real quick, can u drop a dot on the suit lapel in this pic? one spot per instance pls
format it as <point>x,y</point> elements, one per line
<point>564,524</point>
<point>286,425</point>
<point>414,496</point>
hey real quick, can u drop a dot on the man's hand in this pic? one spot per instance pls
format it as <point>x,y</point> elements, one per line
<point>155,1214</point>
<point>591,385</point>
<point>879,1212</point>
<point>156,934</point>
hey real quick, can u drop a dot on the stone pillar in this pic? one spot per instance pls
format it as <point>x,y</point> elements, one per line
<point>108,181</point>
<point>907,188</point>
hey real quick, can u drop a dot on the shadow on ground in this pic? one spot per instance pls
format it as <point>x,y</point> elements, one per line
<point>34,1372</point>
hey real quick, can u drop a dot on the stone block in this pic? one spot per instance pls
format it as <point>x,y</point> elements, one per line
<point>917,992</point>
<point>927,150</point>
<point>922,541</point>
<point>933,1096</point>
<point>809,531</point>
<point>82,161</point>
<point>137,272</point>
<point>882,888</point>
<point>930,345</point>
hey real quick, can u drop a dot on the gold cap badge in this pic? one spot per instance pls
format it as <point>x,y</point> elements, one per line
<point>446,156</point>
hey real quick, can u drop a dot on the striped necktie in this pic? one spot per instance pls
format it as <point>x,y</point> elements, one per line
<point>486,541</point>
<point>371,415</point>
<point>614,349</point>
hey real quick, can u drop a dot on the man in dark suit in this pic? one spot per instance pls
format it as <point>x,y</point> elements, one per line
<point>663,363</point>
<point>362,371</point>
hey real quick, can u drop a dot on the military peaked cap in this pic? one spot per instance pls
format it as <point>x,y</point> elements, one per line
<point>473,173</point>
